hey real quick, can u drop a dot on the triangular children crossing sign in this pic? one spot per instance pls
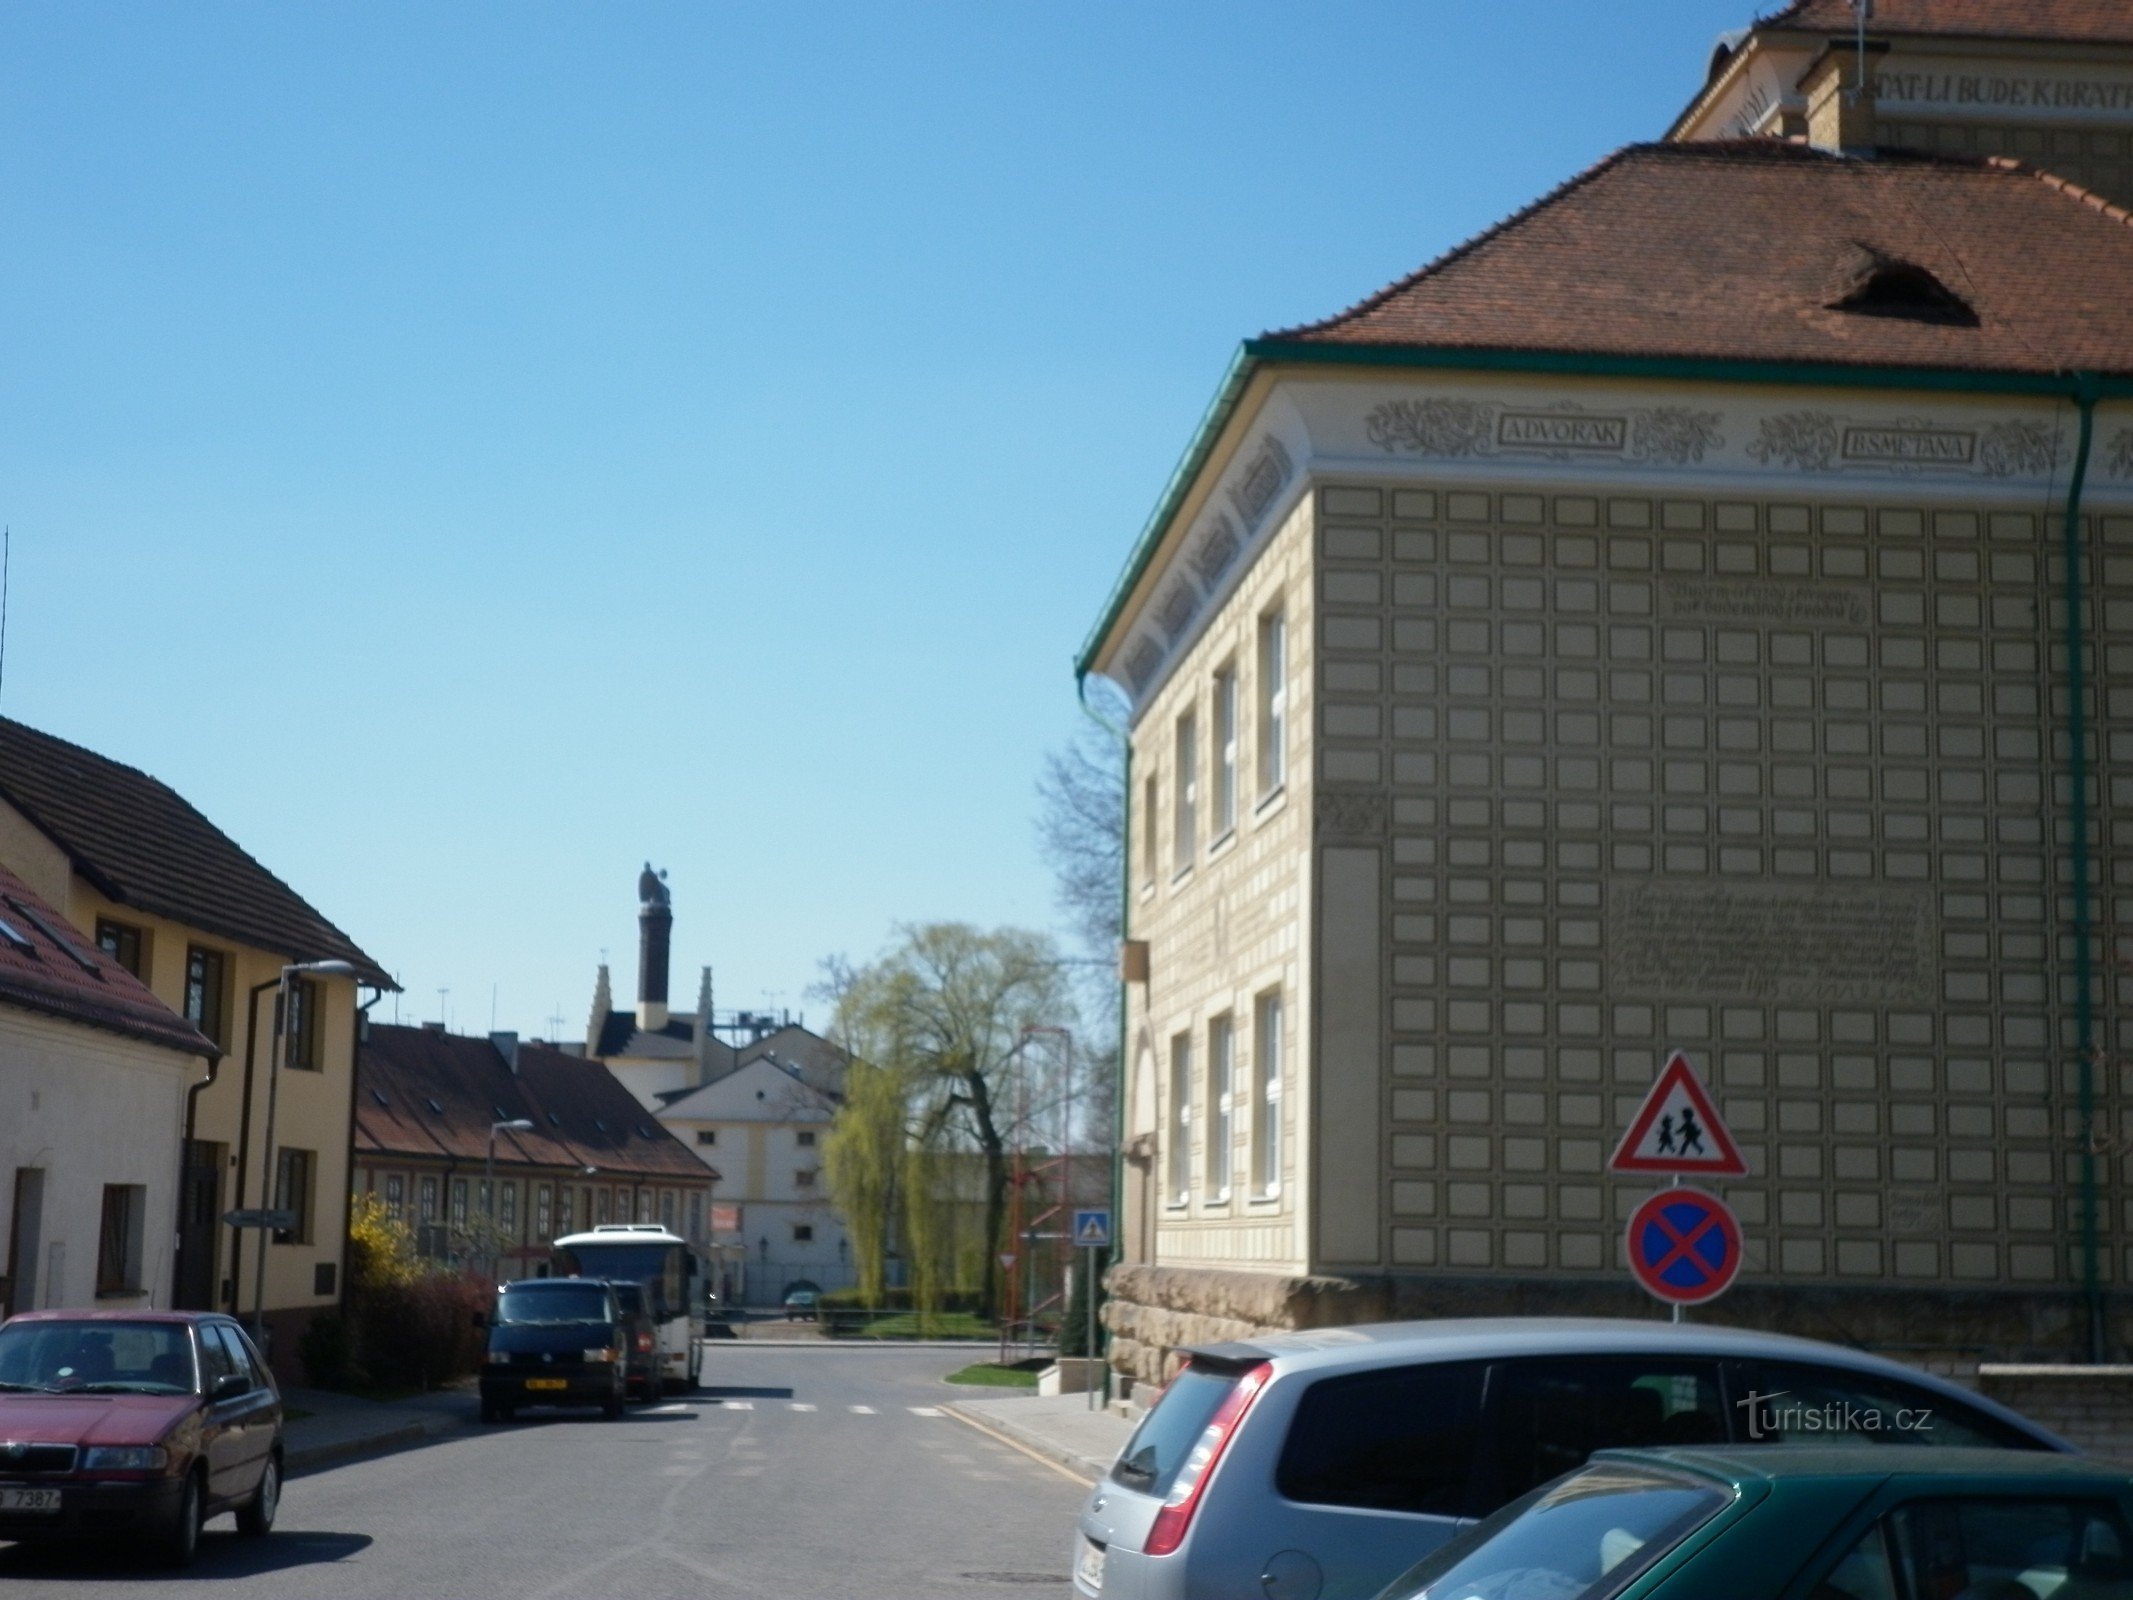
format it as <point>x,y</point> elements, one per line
<point>1678,1129</point>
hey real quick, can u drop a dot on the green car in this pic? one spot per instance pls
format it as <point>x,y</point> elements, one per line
<point>1799,1522</point>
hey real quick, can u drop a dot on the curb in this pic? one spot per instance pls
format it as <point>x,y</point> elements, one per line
<point>1030,1443</point>
<point>331,1452</point>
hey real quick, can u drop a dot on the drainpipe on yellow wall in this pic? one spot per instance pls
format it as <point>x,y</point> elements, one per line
<point>359,1031</point>
<point>244,1128</point>
<point>185,1145</point>
<point>2087,389</point>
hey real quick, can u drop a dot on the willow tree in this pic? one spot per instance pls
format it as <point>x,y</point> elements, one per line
<point>948,1006</point>
<point>863,1156</point>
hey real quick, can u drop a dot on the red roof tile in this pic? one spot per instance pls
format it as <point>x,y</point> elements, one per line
<point>424,1093</point>
<point>142,845</point>
<point>2071,21</point>
<point>1736,250</point>
<point>48,965</point>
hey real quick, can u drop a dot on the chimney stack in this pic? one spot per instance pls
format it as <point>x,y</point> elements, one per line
<point>655,929</point>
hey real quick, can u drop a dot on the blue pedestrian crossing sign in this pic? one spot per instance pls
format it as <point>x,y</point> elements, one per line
<point>1092,1227</point>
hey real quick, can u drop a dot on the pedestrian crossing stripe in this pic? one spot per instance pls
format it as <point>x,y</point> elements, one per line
<point>862,1411</point>
<point>799,1405</point>
<point>925,1411</point>
<point>738,1405</point>
<point>1678,1130</point>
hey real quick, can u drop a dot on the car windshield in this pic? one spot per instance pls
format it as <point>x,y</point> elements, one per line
<point>1583,1537</point>
<point>553,1302</point>
<point>96,1357</point>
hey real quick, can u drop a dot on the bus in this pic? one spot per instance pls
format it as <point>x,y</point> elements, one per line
<point>676,1280</point>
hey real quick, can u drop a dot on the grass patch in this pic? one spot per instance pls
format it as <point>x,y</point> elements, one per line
<point>940,1325</point>
<point>991,1375</point>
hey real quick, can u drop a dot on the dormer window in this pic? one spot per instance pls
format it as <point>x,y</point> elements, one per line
<point>1885,286</point>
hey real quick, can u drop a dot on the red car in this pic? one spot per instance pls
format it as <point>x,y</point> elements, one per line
<point>135,1426</point>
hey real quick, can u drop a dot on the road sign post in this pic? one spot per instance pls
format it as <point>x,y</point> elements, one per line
<point>1092,1233</point>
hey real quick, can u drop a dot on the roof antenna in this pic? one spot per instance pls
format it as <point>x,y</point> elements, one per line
<point>1861,10</point>
<point>7,547</point>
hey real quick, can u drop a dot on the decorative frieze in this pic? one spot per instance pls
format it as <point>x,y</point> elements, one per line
<point>1453,428</point>
<point>1821,441</point>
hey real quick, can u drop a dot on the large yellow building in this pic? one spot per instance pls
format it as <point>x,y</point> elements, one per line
<point>177,903</point>
<point>1697,613</point>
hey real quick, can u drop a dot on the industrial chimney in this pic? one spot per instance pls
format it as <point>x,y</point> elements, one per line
<point>655,930</point>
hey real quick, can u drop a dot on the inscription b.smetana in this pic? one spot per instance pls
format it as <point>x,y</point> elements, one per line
<point>1819,945</point>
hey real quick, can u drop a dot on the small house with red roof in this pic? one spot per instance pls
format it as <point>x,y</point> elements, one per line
<point>1695,614</point>
<point>434,1142</point>
<point>96,1074</point>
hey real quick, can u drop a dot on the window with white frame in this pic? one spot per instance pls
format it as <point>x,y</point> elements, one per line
<point>1266,1087</point>
<point>1224,798</point>
<point>1180,1119</point>
<point>1149,796</point>
<point>1273,701</point>
<point>1185,823</point>
<point>118,1245</point>
<point>1221,1096</point>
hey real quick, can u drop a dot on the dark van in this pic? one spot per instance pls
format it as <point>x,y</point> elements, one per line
<point>555,1342</point>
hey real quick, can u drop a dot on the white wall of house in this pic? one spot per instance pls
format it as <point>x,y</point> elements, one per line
<point>766,1130</point>
<point>83,1109</point>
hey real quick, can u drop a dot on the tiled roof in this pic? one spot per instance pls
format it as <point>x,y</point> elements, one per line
<point>2069,21</point>
<point>1735,250</point>
<point>140,844</point>
<point>581,1115</point>
<point>48,965</point>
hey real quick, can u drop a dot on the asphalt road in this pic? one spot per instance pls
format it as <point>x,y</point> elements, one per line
<point>797,1473</point>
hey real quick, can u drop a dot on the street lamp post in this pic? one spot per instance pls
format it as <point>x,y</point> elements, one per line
<point>488,1181</point>
<point>276,1055</point>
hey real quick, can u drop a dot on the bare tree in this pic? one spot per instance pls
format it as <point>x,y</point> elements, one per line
<point>1081,834</point>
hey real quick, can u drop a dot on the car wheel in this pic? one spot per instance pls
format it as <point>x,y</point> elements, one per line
<point>256,1516</point>
<point>180,1540</point>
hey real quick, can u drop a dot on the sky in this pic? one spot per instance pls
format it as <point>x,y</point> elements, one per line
<point>470,449</point>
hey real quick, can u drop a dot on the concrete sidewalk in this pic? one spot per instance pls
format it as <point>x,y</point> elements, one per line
<point>1061,1428</point>
<point>341,1426</point>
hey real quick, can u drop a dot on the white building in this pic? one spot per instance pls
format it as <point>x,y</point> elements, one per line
<point>93,1078</point>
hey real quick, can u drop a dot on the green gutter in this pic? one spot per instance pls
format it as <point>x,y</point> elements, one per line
<point>1255,353</point>
<point>2078,826</point>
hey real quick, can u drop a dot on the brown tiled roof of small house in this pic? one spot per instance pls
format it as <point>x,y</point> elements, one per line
<point>1765,250</point>
<point>140,844</point>
<point>421,1092</point>
<point>2068,21</point>
<point>49,966</point>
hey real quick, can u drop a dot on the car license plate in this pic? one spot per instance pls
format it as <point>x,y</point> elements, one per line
<point>29,1499</point>
<point>1089,1570</point>
<point>547,1383</point>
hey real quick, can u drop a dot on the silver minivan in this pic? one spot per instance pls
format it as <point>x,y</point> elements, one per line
<point>1319,1466</point>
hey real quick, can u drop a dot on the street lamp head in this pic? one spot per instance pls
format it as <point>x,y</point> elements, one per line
<point>514,1125</point>
<point>321,969</point>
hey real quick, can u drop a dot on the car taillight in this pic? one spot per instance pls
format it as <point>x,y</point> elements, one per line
<point>1175,1517</point>
<point>644,1341</point>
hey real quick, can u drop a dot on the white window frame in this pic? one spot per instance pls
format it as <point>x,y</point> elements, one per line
<point>1151,814</point>
<point>1223,818</point>
<point>1273,701</point>
<point>1267,1048</point>
<point>1185,818</point>
<point>1180,1152</point>
<point>1221,1102</point>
